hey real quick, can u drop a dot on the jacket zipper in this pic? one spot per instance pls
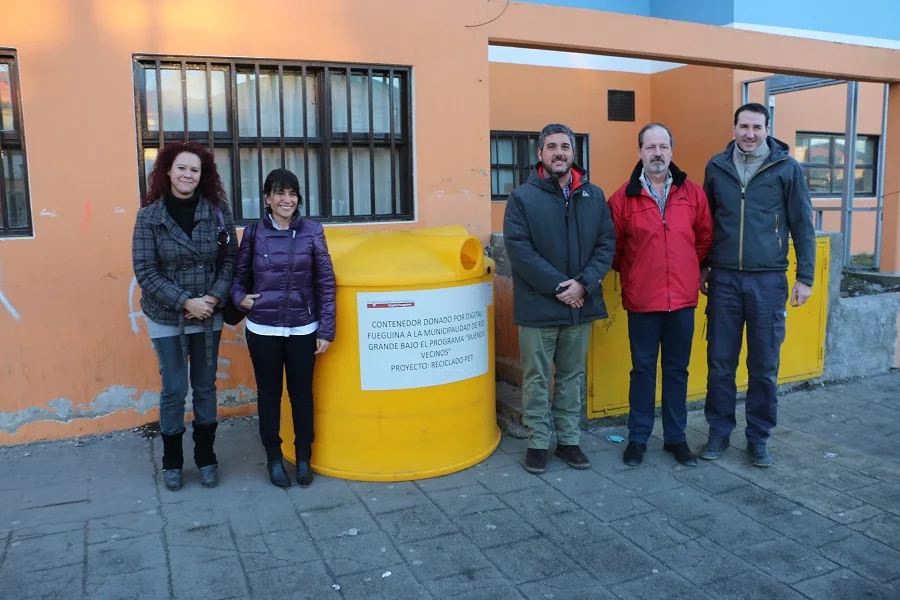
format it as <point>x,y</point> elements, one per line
<point>743,198</point>
<point>290,272</point>
<point>776,232</point>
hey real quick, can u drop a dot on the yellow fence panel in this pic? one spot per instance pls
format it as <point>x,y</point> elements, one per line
<point>609,356</point>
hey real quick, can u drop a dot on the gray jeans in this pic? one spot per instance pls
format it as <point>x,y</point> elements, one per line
<point>174,374</point>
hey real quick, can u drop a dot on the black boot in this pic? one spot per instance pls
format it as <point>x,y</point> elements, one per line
<point>204,457</point>
<point>277,474</point>
<point>304,473</point>
<point>173,460</point>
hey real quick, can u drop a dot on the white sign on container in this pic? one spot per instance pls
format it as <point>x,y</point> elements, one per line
<point>422,338</point>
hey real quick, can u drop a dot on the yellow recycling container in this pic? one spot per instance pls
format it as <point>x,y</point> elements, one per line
<point>407,390</point>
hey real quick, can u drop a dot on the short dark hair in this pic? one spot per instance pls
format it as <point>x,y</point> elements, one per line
<point>282,179</point>
<point>754,107</point>
<point>650,126</point>
<point>555,128</point>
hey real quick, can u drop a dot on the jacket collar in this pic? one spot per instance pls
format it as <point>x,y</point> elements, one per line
<point>634,187</point>
<point>538,178</point>
<point>296,222</point>
<point>778,151</point>
<point>158,213</point>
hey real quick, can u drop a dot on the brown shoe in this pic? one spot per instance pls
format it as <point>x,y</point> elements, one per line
<point>573,456</point>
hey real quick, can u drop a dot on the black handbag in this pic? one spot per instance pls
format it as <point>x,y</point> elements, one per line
<point>231,313</point>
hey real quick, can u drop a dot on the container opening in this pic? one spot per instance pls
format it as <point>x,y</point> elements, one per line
<point>489,270</point>
<point>468,254</point>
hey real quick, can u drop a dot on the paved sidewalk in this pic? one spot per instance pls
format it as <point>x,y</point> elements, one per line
<point>91,519</point>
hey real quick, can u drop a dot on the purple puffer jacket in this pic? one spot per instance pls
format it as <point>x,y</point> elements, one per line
<point>292,272</point>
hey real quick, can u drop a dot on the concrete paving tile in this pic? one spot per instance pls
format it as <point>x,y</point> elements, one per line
<point>387,583</point>
<point>459,502</point>
<point>757,503</point>
<point>146,584</point>
<point>417,523</point>
<point>531,560</point>
<point>732,530</point>
<point>750,586</point>
<point>684,504</point>
<point>821,499</point>
<point>126,556</point>
<point>702,562</point>
<point>201,536</point>
<point>387,497</point>
<point>202,580</point>
<point>508,479</point>
<point>711,478</point>
<point>495,528</point>
<point>443,557</point>
<point>885,528</point>
<point>536,504</point>
<point>276,549</point>
<point>329,523</point>
<point>655,530</point>
<point>485,580</point>
<point>885,496</point>
<point>598,548</point>
<point>874,561</point>
<point>355,554</point>
<point>453,481</point>
<point>307,581</point>
<point>507,592</point>
<point>665,584</point>
<point>787,561</point>
<point>62,583</point>
<point>860,514</point>
<point>325,492</point>
<point>577,586</point>
<point>808,528</point>
<point>123,527</point>
<point>502,459</point>
<point>642,480</point>
<point>843,584</point>
<point>577,482</point>
<point>45,552</point>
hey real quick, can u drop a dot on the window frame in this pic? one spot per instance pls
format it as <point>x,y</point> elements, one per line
<point>399,140</point>
<point>14,140</point>
<point>523,168</point>
<point>832,165</point>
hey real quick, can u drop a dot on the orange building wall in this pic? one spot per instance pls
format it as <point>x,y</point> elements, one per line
<point>695,104</point>
<point>526,98</point>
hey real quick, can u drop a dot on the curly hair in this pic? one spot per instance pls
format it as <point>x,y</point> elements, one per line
<point>210,185</point>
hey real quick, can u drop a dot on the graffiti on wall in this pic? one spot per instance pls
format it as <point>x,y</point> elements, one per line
<point>7,304</point>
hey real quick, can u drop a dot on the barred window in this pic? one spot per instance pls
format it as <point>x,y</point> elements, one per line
<point>514,155</point>
<point>15,205</point>
<point>344,130</point>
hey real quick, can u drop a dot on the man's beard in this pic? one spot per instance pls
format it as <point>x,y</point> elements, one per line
<point>557,171</point>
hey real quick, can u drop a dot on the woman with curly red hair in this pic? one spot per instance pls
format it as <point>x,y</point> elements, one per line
<point>183,226</point>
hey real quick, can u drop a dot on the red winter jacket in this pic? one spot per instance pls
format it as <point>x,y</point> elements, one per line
<point>659,258</point>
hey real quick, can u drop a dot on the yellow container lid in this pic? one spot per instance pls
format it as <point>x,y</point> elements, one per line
<point>403,258</point>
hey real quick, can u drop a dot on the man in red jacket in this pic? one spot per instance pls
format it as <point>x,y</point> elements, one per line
<point>663,234</point>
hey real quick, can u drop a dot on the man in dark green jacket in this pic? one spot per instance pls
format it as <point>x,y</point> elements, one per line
<point>561,240</point>
<point>757,194</point>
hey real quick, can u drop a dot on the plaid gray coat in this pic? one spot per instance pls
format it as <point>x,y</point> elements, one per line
<point>171,268</point>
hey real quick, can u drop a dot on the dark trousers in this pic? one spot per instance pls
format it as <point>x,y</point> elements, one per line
<point>272,356</point>
<point>175,382</point>
<point>757,299</point>
<point>647,332</point>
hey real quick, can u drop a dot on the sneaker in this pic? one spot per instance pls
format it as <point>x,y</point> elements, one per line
<point>759,455</point>
<point>634,454</point>
<point>682,453</point>
<point>573,455</point>
<point>535,460</point>
<point>715,446</point>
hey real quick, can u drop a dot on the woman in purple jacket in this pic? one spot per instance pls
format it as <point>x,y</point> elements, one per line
<point>284,279</point>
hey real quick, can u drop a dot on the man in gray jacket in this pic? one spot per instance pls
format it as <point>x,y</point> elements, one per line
<point>757,194</point>
<point>560,239</point>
